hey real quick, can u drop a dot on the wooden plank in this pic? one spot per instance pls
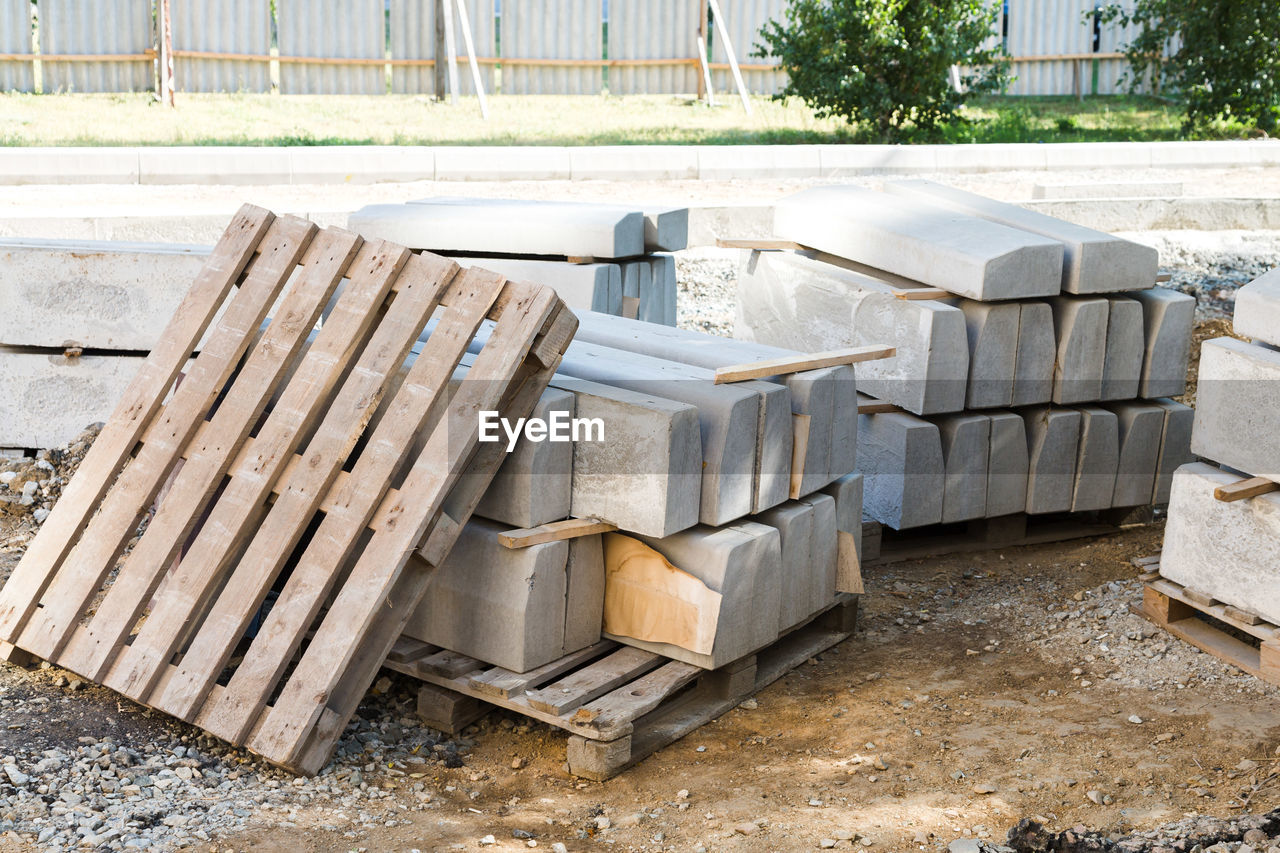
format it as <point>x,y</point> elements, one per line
<point>878,408</point>
<point>800,425</point>
<point>555,531</point>
<point>759,244</point>
<point>849,564</point>
<point>1245,489</point>
<point>449,664</point>
<point>800,363</point>
<point>611,715</point>
<point>240,509</point>
<point>324,265</point>
<point>408,650</point>
<point>274,538</point>
<point>104,538</point>
<point>81,497</point>
<point>504,683</point>
<point>328,661</point>
<point>592,681</point>
<point>922,294</point>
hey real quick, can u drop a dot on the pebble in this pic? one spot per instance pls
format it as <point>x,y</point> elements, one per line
<point>827,843</point>
<point>559,847</point>
<point>747,828</point>
<point>1135,719</point>
<point>749,704</point>
<point>488,841</point>
<point>984,788</point>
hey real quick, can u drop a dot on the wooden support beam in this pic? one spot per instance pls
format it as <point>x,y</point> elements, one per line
<point>802,362</point>
<point>555,531</point>
<point>1245,489</point>
<point>718,16</point>
<point>758,244</point>
<point>919,294</point>
<point>878,408</point>
<point>471,58</point>
<point>1164,276</point>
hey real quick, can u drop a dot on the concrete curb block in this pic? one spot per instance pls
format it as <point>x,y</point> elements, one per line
<point>387,163</point>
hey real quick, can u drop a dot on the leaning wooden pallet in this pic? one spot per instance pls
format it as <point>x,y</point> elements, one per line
<point>301,499</point>
<point>619,704</point>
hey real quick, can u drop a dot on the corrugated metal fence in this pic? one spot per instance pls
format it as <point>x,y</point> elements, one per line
<point>524,46</point>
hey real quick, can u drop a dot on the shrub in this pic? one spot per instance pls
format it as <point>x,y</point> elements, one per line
<point>886,64</point>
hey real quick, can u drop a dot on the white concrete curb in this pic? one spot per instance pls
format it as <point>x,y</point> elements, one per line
<point>383,163</point>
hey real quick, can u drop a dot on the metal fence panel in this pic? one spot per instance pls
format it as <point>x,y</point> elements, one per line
<point>1114,39</point>
<point>551,29</point>
<point>96,27</point>
<point>413,36</point>
<point>15,38</point>
<point>221,26</point>
<point>744,19</point>
<point>332,29</point>
<point>653,29</point>
<point>1049,28</point>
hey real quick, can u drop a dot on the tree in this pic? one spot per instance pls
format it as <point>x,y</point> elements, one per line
<point>1221,57</point>
<point>886,64</point>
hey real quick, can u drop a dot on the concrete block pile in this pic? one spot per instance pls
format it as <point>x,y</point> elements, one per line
<point>739,494</point>
<point>1219,541</point>
<point>613,259</point>
<point>1035,359</point>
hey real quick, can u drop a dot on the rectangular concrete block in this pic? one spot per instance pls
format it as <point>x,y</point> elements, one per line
<point>1094,261</point>
<point>1141,425</point>
<point>1053,444</point>
<point>658,303</point>
<point>1008,465</point>
<point>802,304</point>
<point>1108,190</point>
<point>584,593</point>
<point>847,492</point>
<point>1237,405</point>
<point>742,562</point>
<point>1037,354</point>
<point>1080,327</point>
<point>824,553</point>
<point>966,448</point>
<point>505,226</point>
<point>1097,461</point>
<point>1122,364</point>
<point>794,521</point>
<point>1257,313</point>
<point>992,329</point>
<point>666,228</point>
<point>637,279</point>
<point>504,606</point>
<point>1175,446</point>
<point>1229,551</point>
<point>92,294</point>
<point>1168,317</point>
<point>900,456</point>
<point>583,287</point>
<point>47,400</point>
<point>534,484</point>
<point>963,254</point>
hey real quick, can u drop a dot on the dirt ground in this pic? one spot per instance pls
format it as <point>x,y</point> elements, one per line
<point>944,716</point>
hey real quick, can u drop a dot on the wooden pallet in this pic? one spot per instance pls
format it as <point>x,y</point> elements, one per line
<point>263,471</point>
<point>1204,622</point>
<point>882,544</point>
<point>619,704</point>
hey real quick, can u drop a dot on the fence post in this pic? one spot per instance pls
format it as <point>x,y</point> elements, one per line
<point>701,54</point>
<point>165,53</point>
<point>439,69</point>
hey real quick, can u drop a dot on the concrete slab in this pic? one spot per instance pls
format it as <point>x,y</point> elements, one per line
<point>584,593</point>
<point>1141,425</point>
<point>742,562</point>
<point>633,162</point>
<point>1167,320</point>
<point>1122,364</point>
<point>1053,443</point>
<point>1008,465</point>
<point>1237,400</point>
<point>992,329</point>
<point>1037,354</point>
<point>1093,261</point>
<point>505,226</point>
<point>1097,461</point>
<point>92,294</point>
<point>504,163</point>
<point>47,400</point>
<point>802,304</point>
<point>1107,190</point>
<point>1080,327</point>
<point>963,254</point>
<point>504,606</point>
<point>900,456</point>
<point>583,287</point>
<point>637,279</point>
<point>534,484</point>
<point>1257,313</point>
<point>1229,551</point>
<point>1175,446</point>
<point>966,448</point>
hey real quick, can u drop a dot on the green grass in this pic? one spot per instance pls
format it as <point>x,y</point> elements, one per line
<point>137,119</point>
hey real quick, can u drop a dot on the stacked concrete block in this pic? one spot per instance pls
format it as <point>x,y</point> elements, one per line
<point>1229,550</point>
<point>610,258</point>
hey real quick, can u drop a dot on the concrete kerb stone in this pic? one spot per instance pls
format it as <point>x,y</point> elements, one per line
<point>1257,312</point>
<point>1097,461</point>
<point>1053,442</point>
<point>1168,317</point>
<point>900,457</point>
<point>584,593</point>
<point>847,493</point>
<point>360,164</point>
<point>723,162</point>
<point>48,400</point>
<point>962,254</point>
<point>966,448</point>
<point>1106,190</point>
<point>1008,466</point>
<point>824,550</point>
<point>514,163</point>
<point>794,521</point>
<point>1237,401</point>
<point>633,162</point>
<point>666,228</point>
<point>1037,354</point>
<point>992,329</point>
<point>534,483</point>
<point>208,165</point>
<point>1080,326</point>
<point>1175,446</point>
<point>1123,361</point>
<point>583,287</point>
<point>72,165</point>
<point>1141,426</point>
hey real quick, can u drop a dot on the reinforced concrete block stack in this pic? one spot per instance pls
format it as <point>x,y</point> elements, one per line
<point>1036,359</point>
<point>1229,550</point>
